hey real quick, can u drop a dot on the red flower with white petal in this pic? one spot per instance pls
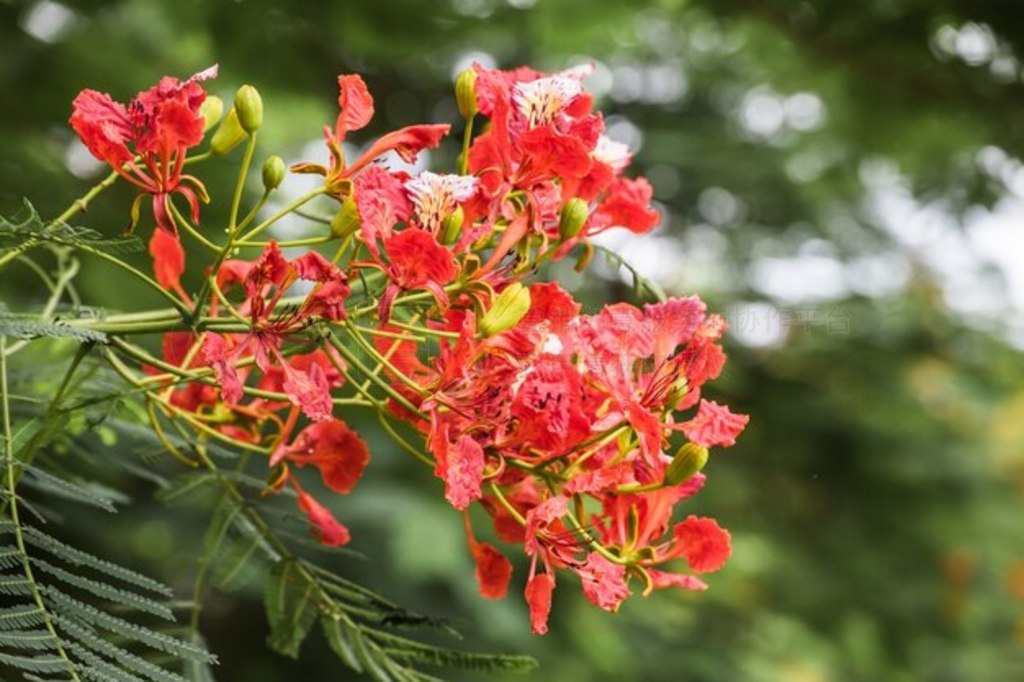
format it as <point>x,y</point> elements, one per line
<point>437,196</point>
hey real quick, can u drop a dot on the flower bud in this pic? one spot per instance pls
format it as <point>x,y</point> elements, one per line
<point>249,106</point>
<point>574,217</point>
<point>465,93</point>
<point>452,226</point>
<point>211,110</point>
<point>274,171</point>
<point>509,307</point>
<point>689,460</point>
<point>228,135</point>
<point>346,221</point>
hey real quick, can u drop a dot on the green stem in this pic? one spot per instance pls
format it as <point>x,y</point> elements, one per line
<point>351,358</point>
<point>141,276</point>
<point>56,292</point>
<point>76,207</point>
<point>82,203</point>
<point>232,228</point>
<point>199,157</point>
<point>18,536</point>
<point>182,222</point>
<point>251,215</point>
<point>402,442</point>
<point>381,360</point>
<point>308,196</point>
<point>308,241</point>
<point>507,505</point>
<point>467,137</point>
<point>236,200</point>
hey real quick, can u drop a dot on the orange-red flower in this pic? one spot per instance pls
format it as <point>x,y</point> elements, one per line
<point>146,143</point>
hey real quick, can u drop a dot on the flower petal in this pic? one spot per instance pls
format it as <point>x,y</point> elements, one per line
<point>356,105</point>
<point>493,570</point>
<point>714,425</point>
<point>168,258</point>
<point>325,527</point>
<point>463,472</point>
<point>538,597</point>
<point>604,582</point>
<point>704,543</point>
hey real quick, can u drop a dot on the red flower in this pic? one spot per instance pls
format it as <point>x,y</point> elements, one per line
<point>418,261</point>
<point>705,545</point>
<point>627,204</point>
<point>168,260</point>
<point>381,201</point>
<point>461,466</point>
<point>540,518</point>
<point>493,570</point>
<point>271,275</point>
<point>159,126</point>
<point>662,579</point>
<point>604,582</point>
<point>674,322</point>
<point>333,448</point>
<point>325,527</point>
<point>407,142</point>
<point>355,106</point>
<point>714,425</point>
<point>552,304</point>
<point>356,110</point>
<point>538,597</point>
<point>547,406</point>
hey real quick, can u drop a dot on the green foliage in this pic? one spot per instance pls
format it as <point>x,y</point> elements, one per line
<point>79,636</point>
<point>239,546</point>
<point>21,235</point>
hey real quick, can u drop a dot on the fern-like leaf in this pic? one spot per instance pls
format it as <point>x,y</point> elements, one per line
<point>47,483</point>
<point>31,231</point>
<point>31,327</point>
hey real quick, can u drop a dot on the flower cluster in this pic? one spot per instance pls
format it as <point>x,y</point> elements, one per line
<point>557,423</point>
<point>558,426</point>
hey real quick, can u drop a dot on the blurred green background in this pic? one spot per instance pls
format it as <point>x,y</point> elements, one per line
<point>842,180</point>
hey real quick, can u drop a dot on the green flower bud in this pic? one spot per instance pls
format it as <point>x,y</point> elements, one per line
<point>249,106</point>
<point>689,460</point>
<point>211,110</point>
<point>228,135</point>
<point>509,307</point>
<point>465,93</point>
<point>346,221</point>
<point>574,217</point>
<point>274,171</point>
<point>452,226</point>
